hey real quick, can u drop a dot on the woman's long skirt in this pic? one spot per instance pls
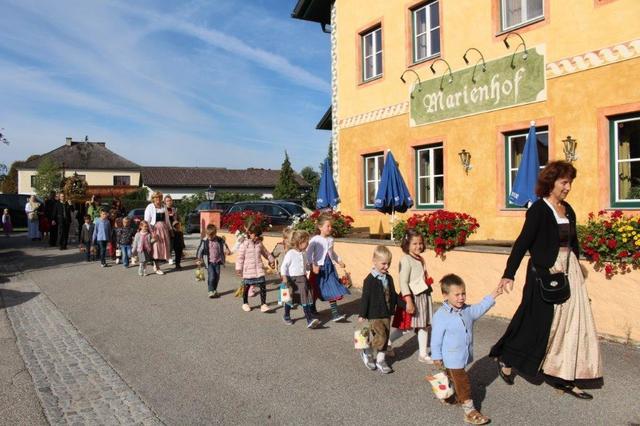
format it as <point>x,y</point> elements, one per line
<point>34,229</point>
<point>162,237</point>
<point>543,336</point>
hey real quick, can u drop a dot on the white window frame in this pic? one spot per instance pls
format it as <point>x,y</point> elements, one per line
<point>430,176</point>
<point>378,162</point>
<point>617,161</point>
<point>525,19</point>
<point>375,51</point>
<point>510,168</point>
<point>427,32</point>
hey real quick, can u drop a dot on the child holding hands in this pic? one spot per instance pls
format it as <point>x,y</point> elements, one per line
<point>377,304</point>
<point>293,271</point>
<point>212,250</point>
<point>143,247</point>
<point>452,340</point>
<point>249,267</point>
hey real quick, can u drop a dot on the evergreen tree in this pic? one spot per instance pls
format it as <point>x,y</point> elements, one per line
<point>313,179</point>
<point>48,178</point>
<point>287,187</point>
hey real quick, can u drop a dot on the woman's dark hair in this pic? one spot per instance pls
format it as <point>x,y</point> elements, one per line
<point>551,173</point>
<point>406,240</point>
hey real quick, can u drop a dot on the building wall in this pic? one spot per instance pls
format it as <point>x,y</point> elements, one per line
<point>374,116</point>
<point>93,177</point>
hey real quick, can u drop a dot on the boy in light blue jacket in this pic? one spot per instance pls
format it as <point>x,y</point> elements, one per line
<point>452,339</point>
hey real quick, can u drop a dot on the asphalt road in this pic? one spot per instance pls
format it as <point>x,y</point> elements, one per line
<point>195,360</point>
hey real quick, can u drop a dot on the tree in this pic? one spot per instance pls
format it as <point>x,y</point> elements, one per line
<point>287,187</point>
<point>48,178</point>
<point>330,154</point>
<point>313,179</point>
<point>10,181</point>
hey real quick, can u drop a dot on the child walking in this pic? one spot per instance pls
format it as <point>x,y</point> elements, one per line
<point>7,226</point>
<point>102,236</point>
<point>377,304</point>
<point>415,292</point>
<point>293,271</point>
<point>452,340</point>
<point>86,237</point>
<point>124,239</point>
<point>178,243</point>
<point>143,247</point>
<point>249,267</point>
<point>213,250</point>
<point>323,277</point>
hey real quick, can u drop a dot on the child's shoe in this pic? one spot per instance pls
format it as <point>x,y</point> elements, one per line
<point>339,317</point>
<point>265,308</point>
<point>246,307</point>
<point>315,322</point>
<point>287,320</point>
<point>212,294</point>
<point>368,361</point>
<point>117,260</point>
<point>425,359</point>
<point>158,271</point>
<point>384,367</point>
<point>475,417</point>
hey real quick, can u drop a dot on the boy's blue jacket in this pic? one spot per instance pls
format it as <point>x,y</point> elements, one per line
<point>452,332</point>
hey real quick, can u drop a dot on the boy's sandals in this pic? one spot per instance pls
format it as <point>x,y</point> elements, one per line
<point>476,418</point>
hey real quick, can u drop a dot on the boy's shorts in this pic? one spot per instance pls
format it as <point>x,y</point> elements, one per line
<point>379,329</point>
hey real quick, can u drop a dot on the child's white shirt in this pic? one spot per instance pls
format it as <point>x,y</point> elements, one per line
<point>318,249</point>
<point>294,264</point>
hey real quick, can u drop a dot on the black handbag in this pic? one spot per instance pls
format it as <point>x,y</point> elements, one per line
<point>554,288</point>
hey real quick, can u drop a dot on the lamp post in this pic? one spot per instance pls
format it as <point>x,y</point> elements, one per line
<point>210,193</point>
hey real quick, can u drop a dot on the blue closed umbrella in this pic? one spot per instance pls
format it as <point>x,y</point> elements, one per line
<point>393,194</point>
<point>523,190</point>
<point>327,192</point>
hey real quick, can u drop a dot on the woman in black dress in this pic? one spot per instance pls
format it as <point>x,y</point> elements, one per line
<point>558,340</point>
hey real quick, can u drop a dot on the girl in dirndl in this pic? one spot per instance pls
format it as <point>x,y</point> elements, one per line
<point>323,277</point>
<point>417,294</point>
<point>7,227</point>
<point>156,215</point>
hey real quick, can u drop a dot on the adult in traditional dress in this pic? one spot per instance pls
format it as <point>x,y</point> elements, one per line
<point>156,215</point>
<point>49,207</point>
<point>33,223</point>
<point>173,217</point>
<point>558,340</point>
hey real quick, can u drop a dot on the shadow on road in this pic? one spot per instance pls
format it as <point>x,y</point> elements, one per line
<point>9,298</point>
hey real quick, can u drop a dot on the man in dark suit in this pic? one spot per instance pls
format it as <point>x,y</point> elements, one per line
<point>49,209</point>
<point>62,217</point>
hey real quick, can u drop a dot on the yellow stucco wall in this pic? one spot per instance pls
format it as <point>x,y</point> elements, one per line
<point>574,104</point>
<point>94,177</point>
<point>616,317</point>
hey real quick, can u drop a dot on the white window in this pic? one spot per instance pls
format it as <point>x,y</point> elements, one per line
<point>518,12</point>
<point>625,133</point>
<point>372,173</point>
<point>430,176</point>
<point>515,148</point>
<point>372,54</point>
<point>426,31</point>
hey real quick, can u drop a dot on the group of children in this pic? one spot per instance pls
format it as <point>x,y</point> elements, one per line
<point>124,242</point>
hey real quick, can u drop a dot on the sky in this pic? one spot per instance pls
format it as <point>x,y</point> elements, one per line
<point>207,83</point>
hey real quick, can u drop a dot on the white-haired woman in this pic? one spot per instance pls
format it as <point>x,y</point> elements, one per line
<point>32,210</point>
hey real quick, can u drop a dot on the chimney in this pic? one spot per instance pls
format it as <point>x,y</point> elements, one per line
<point>68,143</point>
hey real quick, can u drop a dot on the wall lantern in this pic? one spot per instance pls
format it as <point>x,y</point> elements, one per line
<point>448,67</point>
<point>569,148</point>
<point>522,43</point>
<point>466,61</point>
<point>465,159</point>
<point>210,193</point>
<point>417,76</point>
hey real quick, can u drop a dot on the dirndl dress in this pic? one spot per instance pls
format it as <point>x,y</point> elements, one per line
<point>326,285</point>
<point>161,246</point>
<point>422,316</point>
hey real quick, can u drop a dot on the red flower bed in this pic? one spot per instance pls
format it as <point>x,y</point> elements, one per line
<point>240,221</point>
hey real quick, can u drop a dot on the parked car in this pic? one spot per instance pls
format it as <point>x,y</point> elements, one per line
<point>136,215</point>
<point>280,213</point>
<point>193,218</point>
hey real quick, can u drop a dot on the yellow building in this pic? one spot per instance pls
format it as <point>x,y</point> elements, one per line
<point>572,67</point>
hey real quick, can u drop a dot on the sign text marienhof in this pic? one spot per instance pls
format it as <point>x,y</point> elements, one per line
<point>500,86</point>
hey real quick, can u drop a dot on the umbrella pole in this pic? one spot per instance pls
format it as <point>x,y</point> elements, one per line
<point>393,220</point>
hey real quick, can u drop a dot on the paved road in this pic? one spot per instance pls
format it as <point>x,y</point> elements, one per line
<point>192,360</point>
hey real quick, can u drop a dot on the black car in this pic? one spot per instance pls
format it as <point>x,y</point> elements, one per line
<point>136,215</point>
<point>280,213</point>
<point>193,217</point>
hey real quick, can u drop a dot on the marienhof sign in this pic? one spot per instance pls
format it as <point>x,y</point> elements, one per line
<point>508,81</point>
